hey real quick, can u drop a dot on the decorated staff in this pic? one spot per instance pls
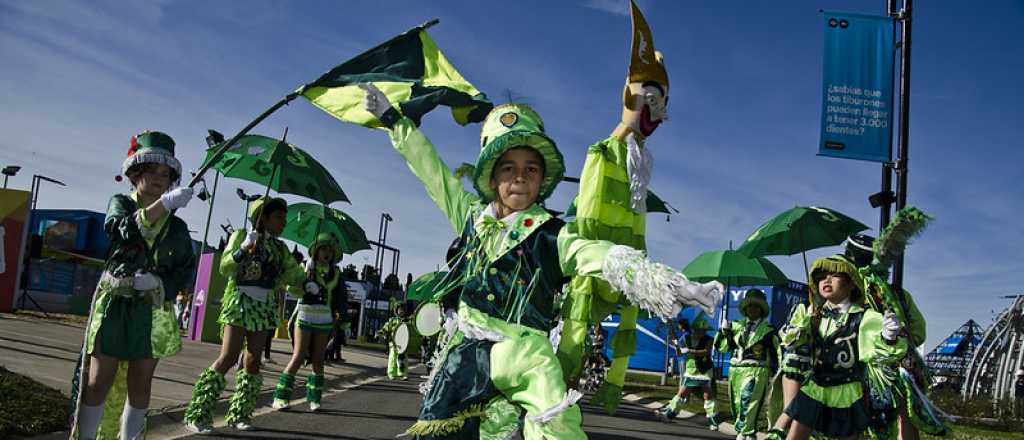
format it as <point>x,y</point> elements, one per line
<point>697,348</point>
<point>755,352</point>
<point>131,324</point>
<point>324,298</point>
<point>257,265</point>
<point>515,258</point>
<point>612,205</point>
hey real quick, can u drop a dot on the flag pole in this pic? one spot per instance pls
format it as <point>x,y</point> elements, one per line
<point>224,147</point>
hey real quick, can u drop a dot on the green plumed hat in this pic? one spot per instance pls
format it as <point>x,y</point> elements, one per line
<point>508,126</point>
<point>152,147</point>
<point>326,239</point>
<point>755,297</point>
<point>835,264</point>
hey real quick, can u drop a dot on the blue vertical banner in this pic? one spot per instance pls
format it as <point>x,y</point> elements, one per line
<point>856,110</point>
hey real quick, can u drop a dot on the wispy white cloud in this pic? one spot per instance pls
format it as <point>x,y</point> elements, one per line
<point>617,7</point>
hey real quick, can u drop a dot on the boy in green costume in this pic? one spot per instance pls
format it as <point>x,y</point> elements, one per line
<point>257,265</point>
<point>515,258</point>
<point>755,352</point>
<point>697,376</point>
<point>131,323</point>
<point>611,206</point>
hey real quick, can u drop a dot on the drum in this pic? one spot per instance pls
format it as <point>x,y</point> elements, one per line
<point>428,319</point>
<point>402,337</point>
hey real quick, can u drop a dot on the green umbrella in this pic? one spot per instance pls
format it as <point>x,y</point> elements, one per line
<point>735,269</point>
<point>800,229</point>
<point>278,165</point>
<point>306,220</point>
<point>424,287</point>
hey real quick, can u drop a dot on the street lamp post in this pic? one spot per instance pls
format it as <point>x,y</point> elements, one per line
<point>247,198</point>
<point>36,183</point>
<point>10,171</point>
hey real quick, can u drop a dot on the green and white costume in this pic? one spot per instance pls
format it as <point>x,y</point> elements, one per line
<point>501,361</point>
<point>843,341</point>
<point>316,313</point>
<point>755,354</point>
<point>397,367</point>
<point>125,323</point>
<point>698,370</point>
<point>249,302</point>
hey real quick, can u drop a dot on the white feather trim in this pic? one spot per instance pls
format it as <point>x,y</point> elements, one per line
<point>656,287</point>
<point>638,164</point>
<point>571,397</point>
<point>555,335</point>
<point>479,333</point>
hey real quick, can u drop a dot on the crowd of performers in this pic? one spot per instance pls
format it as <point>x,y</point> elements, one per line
<point>524,289</point>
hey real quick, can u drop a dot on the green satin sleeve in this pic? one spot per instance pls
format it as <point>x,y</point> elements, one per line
<point>441,184</point>
<point>872,347</point>
<point>228,265</point>
<point>579,256</point>
<point>293,274</point>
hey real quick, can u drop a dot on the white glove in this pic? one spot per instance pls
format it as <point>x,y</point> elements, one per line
<point>375,101</point>
<point>890,326</point>
<point>145,281</point>
<point>311,288</point>
<point>250,239</point>
<point>724,325</point>
<point>310,265</point>
<point>684,350</point>
<point>706,295</point>
<point>176,198</point>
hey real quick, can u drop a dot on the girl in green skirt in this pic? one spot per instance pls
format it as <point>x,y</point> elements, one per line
<point>131,324</point>
<point>257,264</point>
<point>314,316</point>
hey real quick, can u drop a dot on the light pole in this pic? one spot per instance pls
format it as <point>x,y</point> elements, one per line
<point>36,180</point>
<point>36,183</point>
<point>247,198</point>
<point>10,171</point>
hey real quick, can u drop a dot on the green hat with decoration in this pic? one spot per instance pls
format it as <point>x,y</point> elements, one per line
<point>152,147</point>
<point>754,297</point>
<point>835,264</point>
<point>326,239</point>
<point>509,126</point>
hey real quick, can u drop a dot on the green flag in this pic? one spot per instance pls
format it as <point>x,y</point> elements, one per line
<point>410,70</point>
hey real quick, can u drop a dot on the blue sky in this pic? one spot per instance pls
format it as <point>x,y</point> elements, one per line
<point>80,78</point>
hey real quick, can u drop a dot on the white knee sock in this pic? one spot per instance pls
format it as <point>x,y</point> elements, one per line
<point>132,422</point>
<point>89,421</point>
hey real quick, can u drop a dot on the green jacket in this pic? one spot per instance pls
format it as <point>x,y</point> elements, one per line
<point>756,346</point>
<point>512,268</point>
<point>167,253</point>
<point>289,275</point>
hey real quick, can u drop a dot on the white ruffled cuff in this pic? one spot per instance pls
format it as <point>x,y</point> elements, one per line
<point>656,287</point>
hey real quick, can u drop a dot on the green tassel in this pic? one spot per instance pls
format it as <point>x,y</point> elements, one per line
<point>447,426</point>
<point>243,402</point>
<point>204,397</point>
<point>908,223</point>
<point>314,388</point>
<point>283,390</point>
